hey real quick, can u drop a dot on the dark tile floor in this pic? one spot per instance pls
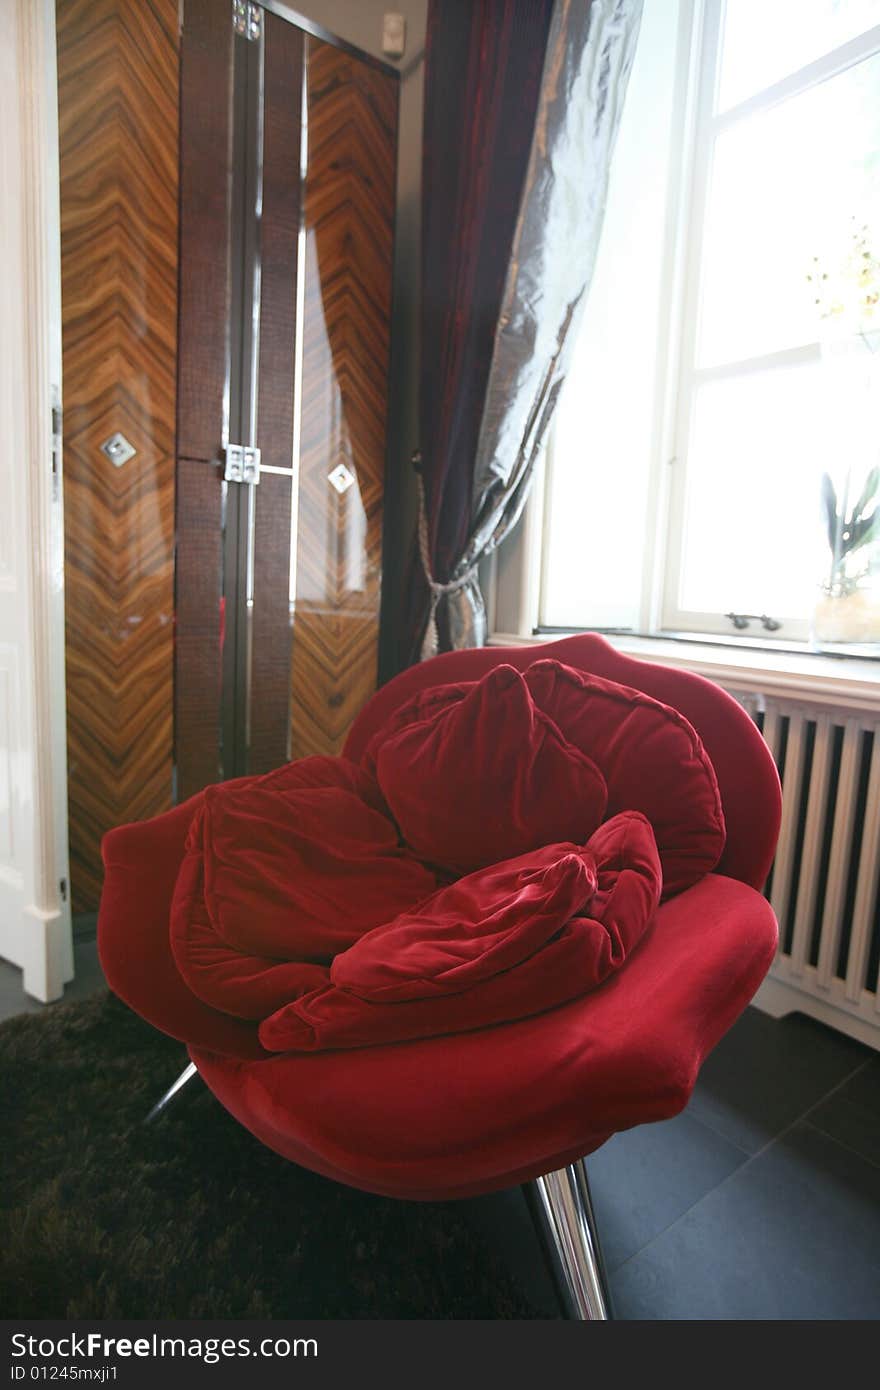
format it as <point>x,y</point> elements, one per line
<point>761,1201</point>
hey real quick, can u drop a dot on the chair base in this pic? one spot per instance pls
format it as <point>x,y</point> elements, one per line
<point>173,1091</point>
<point>562,1211</point>
<point>563,1214</point>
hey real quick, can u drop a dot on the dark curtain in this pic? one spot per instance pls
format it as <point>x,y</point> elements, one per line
<point>483,66</point>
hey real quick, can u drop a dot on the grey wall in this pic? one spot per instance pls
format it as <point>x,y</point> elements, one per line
<point>360,22</point>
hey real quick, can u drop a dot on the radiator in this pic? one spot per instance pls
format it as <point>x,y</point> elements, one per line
<point>823,885</point>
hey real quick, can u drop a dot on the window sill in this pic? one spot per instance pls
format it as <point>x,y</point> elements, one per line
<point>815,677</point>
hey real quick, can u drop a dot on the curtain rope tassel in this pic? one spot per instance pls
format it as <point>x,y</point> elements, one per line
<point>431,640</point>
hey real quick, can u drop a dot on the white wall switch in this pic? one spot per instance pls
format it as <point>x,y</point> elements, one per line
<point>393,35</point>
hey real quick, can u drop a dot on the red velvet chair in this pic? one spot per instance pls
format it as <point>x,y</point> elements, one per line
<point>456,1116</point>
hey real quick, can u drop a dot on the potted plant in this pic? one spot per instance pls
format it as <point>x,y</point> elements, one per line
<point>847,610</point>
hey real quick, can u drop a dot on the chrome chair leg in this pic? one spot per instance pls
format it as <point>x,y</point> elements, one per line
<point>563,1212</point>
<point>185,1077</point>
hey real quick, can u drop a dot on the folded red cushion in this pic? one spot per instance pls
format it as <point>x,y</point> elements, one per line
<point>483,924</point>
<point>237,982</point>
<point>502,944</point>
<point>487,777</point>
<point>280,874</point>
<point>650,757</point>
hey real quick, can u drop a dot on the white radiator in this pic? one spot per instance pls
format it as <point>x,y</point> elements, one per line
<point>824,882</point>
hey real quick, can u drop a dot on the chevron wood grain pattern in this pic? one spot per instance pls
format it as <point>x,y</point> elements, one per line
<point>118,103</point>
<point>269,695</point>
<point>349,218</point>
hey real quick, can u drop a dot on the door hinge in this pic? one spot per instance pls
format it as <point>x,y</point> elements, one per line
<point>242,464</point>
<point>57,429</point>
<point>247,19</point>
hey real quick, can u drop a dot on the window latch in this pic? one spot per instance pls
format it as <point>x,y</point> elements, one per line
<point>741,621</point>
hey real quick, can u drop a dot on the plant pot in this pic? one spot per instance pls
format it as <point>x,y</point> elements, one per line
<point>848,620</point>
<point>847,613</point>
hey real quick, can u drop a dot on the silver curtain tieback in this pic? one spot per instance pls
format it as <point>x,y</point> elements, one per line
<point>431,640</point>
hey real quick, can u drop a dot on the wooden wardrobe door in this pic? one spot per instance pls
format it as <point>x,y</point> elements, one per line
<point>242,108</point>
<point>203,387</point>
<point>268,692</point>
<point>205,156</point>
<point>118,119</point>
<point>349,231</point>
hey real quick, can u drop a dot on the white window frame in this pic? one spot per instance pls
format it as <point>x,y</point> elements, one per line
<point>515,579</point>
<point>701,138</point>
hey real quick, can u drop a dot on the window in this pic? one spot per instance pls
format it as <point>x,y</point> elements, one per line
<point>696,421</point>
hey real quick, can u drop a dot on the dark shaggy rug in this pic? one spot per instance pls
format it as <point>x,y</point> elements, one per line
<point>189,1217</point>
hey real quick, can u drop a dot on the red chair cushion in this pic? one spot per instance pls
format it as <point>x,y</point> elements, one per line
<point>502,943</point>
<point>487,777</point>
<point>280,874</point>
<point>473,1112</point>
<point>141,865</point>
<point>649,756</point>
<point>652,759</point>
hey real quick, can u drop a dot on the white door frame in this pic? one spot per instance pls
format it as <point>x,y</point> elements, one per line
<point>35,922</point>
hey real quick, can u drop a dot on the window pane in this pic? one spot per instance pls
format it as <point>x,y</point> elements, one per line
<point>752,542</point>
<point>766,40</point>
<point>785,187</point>
<point>595,523</point>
